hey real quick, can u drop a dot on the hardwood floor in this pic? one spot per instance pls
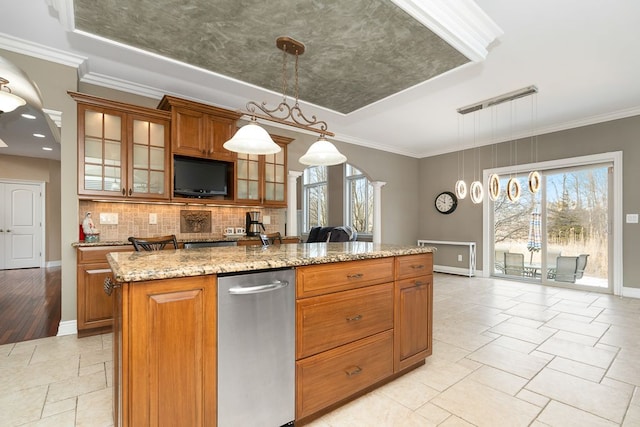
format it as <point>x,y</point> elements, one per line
<point>30,303</point>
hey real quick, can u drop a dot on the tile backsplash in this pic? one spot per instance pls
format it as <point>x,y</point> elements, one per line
<point>134,218</point>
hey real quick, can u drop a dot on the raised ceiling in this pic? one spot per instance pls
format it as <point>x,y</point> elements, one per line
<point>357,51</point>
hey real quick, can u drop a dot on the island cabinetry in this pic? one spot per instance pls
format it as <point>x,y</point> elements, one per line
<point>123,150</point>
<point>165,352</point>
<point>344,331</point>
<point>200,130</point>
<point>413,310</point>
<point>262,179</point>
<point>94,307</point>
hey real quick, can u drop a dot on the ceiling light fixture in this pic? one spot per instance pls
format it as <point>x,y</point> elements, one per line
<point>253,139</point>
<point>8,101</point>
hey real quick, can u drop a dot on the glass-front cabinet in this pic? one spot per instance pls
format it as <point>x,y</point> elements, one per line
<point>122,153</point>
<point>262,179</point>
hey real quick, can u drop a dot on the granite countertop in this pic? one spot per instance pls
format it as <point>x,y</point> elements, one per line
<point>139,266</point>
<point>83,244</point>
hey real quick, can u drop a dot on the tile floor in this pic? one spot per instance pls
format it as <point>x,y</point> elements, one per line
<point>505,354</point>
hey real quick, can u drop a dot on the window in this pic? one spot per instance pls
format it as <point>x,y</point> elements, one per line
<point>315,197</point>
<point>359,201</point>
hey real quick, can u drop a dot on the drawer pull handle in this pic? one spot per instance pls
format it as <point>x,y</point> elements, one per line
<point>355,276</point>
<point>353,371</point>
<point>418,267</point>
<point>420,283</point>
<point>354,318</point>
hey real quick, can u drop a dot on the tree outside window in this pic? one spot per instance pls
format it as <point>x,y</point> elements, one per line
<point>359,195</point>
<point>315,197</point>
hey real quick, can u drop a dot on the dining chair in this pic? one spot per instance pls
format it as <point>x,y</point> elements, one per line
<point>582,264</point>
<point>153,243</point>
<point>513,264</point>
<point>566,268</point>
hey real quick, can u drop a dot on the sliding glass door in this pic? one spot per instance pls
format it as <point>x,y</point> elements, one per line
<point>560,235</point>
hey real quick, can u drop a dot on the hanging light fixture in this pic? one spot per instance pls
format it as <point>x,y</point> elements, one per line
<point>253,139</point>
<point>8,101</point>
<point>461,185</point>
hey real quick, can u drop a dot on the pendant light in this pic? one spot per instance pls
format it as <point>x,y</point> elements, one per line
<point>8,101</point>
<point>253,139</point>
<point>476,191</point>
<point>461,186</point>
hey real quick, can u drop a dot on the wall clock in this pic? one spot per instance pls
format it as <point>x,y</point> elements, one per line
<point>446,202</point>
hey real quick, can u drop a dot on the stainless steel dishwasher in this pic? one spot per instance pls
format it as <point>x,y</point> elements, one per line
<point>256,349</point>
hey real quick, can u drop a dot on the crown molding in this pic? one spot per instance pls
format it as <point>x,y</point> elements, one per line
<point>462,24</point>
<point>36,50</point>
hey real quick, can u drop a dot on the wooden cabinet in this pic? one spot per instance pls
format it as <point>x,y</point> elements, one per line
<point>165,353</point>
<point>413,310</point>
<point>94,307</point>
<point>123,150</point>
<point>262,179</point>
<point>200,130</point>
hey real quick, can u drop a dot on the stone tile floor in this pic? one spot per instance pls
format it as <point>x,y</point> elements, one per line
<point>505,354</point>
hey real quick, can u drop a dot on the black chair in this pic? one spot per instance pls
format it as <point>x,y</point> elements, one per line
<point>153,243</point>
<point>342,233</point>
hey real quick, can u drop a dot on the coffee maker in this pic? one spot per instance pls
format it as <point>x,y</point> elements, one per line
<point>253,225</point>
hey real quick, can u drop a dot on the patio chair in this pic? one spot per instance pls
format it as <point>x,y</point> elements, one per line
<point>513,264</point>
<point>566,269</point>
<point>582,264</point>
<point>499,261</point>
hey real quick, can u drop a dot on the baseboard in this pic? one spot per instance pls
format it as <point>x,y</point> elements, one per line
<point>452,270</point>
<point>69,327</point>
<point>53,264</point>
<point>631,292</point>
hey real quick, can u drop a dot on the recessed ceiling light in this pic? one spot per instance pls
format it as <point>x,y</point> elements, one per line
<point>28,116</point>
<point>38,135</point>
<point>47,149</point>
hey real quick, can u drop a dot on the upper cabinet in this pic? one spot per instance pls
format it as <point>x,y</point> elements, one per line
<point>123,150</point>
<point>200,130</point>
<point>262,179</point>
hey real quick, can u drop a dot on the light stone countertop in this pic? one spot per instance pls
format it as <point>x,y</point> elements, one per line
<point>166,264</point>
<point>212,238</point>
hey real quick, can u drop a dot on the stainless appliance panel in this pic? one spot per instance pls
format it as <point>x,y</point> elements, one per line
<point>256,349</point>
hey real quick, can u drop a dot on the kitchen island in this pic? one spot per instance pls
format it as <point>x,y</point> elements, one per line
<point>363,316</point>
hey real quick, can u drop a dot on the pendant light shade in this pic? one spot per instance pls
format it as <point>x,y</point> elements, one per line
<point>322,153</point>
<point>252,139</point>
<point>8,101</point>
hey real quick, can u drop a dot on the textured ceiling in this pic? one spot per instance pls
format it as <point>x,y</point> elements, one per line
<point>357,51</point>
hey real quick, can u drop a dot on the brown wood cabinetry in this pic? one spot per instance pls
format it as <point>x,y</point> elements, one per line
<point>165,353</point>
<point>94,307</point>
<point>200,130</point>
<point>123,150</point>
<point>414,310</point>
<point>262,179</point>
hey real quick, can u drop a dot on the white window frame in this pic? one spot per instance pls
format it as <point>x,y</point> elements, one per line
<point>305,197</point>
<point>347,198</point>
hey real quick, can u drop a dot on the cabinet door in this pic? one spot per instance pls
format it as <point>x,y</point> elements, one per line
<point>95,308</point>
<point>188,128</point>
<point>171,372</point>
<point>248,180</point>
<point>275,178</point>
<point>413,314</point>
<point>101,152</point>
<point>148,171</point>
<point>219,131</point>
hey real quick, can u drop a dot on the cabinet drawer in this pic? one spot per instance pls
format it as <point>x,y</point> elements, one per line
<point>328,321</point>
<point>89,254</point>
<point>321,279</point>
<point>329,377</point>
<point>414,265</point>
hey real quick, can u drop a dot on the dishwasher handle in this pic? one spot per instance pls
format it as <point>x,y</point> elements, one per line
<point>267,287</point>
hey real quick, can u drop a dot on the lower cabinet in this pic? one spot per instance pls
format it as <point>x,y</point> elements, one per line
<point>165,353</point>
<point>94,307</point>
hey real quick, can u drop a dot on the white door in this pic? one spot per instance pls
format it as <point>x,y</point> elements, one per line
<point>21,225</point>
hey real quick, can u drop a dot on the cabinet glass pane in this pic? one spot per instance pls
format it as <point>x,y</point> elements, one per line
<point>253,190</point>
<point>112,178</point>
<point>112,153</point>
<point>279,173</point>
<point>92,177</point>
<point>156,182</point>
<point>279,157</point>
<point>269,173</point>
<point>243,169</point>
<point>253,170</point>
<point>243,192</point>
<point>269,191</point>
<point>140,156</point>
<point>156,134</point>
<point>93,124</point>
<point>92,150</point>
<point>140,132</point>
<point>156,158</point>
<point>140,181</point>
<point>279,196</point>
<point>112,128</point>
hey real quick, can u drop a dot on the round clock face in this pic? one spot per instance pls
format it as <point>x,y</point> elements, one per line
<point>446,202</point>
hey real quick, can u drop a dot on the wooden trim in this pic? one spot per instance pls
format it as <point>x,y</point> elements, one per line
<point>168,102</point>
